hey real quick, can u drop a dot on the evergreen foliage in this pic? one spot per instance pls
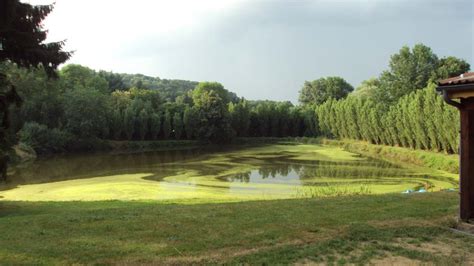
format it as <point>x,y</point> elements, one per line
<point>419,120</point>
<point>22,42</point>
<point>23,36</point>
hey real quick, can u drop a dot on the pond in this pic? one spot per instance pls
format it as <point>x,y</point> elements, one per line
<point>242,173</point>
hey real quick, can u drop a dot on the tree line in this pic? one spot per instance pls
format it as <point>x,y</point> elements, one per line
<point>82,106</point>
<point>418,120</point>
<point>70,113</point>
<point>401,106</point>
<point>69,110</point>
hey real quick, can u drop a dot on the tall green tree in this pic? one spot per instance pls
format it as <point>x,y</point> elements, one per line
<point>283,109</point>
<point>367,89</point>
<point>44,101</point>
<point>311,121</point>
<point>296,125</point>
<point>408,123</point>
<point>155,125</point>
<point>167,125</point>
<point>116,123</point>
<point>22,39</point>
<point>214,120</point>
<point>177,125</point>
<point>451,66</point>
<point>203,88</point>
<point>142,124</point>
<point>240,117</point>
<point>320,90</point>
<point>190,122</point>
<point>263,119</point>
<point>114,80</point>
<point>81,77</point>
<point>85,112</point>
<point>129,122</point>
<point>409,70</point>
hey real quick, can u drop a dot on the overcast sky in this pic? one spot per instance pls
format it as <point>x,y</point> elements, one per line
<point>258,49</point>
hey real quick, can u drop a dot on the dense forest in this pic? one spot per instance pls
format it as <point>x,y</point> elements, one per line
<point>71,113</point>
<point>84,106</point>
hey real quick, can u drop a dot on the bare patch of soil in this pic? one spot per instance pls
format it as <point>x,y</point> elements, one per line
<point>394,260</point>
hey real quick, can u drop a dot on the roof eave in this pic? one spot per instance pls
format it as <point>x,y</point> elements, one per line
<point>457,87</point>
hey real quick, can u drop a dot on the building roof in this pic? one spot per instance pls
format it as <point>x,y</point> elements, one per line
<point>465,78</point>
<point>463,82</point>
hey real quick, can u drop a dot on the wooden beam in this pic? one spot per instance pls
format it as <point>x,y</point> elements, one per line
<point>461,94</point>
<point>467,160</point>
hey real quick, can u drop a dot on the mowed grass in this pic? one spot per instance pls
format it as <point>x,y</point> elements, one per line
<point>193,216</point>
<point>382,229</point>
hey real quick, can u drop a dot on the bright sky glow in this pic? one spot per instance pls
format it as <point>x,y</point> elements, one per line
<point>260,49</point>
<point>100,30</point>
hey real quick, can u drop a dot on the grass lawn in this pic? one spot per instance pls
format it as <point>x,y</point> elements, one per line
<point>379,229</point>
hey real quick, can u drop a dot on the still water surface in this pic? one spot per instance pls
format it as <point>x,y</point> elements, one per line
<point>269,172</point>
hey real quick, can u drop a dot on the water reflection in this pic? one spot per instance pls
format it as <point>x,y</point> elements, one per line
<point>292,169</point>
<point>191,172</point>
<point>368,171</point>
<point>66,167</point>
<point>265,175</point>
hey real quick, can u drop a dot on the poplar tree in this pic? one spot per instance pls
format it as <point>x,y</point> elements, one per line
<point>167,125</point>
<point>129,122</point>
<point>177,125</point>
<point>190,122</point>
<point>155,125</point>
<point>240,117</point>
<point>142,124</point>
<point>116,124</point>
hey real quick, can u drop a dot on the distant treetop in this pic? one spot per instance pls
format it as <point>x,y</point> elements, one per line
<point>320,90</point>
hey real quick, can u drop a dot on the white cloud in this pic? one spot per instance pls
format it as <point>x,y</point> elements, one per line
<point>97,29</point>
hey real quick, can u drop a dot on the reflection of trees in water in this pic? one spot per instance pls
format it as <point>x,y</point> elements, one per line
<point>354,173</point>
<point>66,167</point>
<point>286,158</point>
<point>165,163</point>
<point>281,170</point>
<point>275,170</point>
<point>323,169</point>
<point>242,177</point>
<point>344,171</point>
<point>264,173</point>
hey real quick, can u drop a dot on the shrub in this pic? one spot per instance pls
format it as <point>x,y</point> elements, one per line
<point>43,139</point>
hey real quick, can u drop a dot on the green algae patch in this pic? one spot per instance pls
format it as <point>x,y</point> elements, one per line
<point>266,172</point>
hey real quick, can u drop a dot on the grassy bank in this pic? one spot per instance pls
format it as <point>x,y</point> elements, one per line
<point>433,160</point>
<point>359,229</point>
